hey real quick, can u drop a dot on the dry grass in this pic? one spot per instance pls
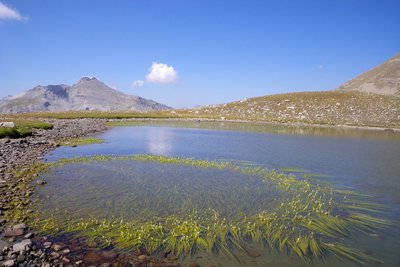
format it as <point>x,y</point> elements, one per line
<point>326,108</point>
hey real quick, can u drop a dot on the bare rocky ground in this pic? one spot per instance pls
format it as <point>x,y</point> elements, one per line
<point>18,245</point>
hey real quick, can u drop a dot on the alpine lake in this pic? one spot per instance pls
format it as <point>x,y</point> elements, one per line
<point>230,194</point>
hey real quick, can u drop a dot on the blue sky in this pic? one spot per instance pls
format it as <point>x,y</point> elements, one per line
<point>207,51</point>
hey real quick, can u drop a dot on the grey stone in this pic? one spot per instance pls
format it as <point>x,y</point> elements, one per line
<point>20,226</point>
<point>8,124</point>
<point>29,235</point>
<point>41,182</point>
<point>12,232</point>
<point>21,258</point>
<point>3,244</point>
<point>22,246</point>
<point>9,263</point>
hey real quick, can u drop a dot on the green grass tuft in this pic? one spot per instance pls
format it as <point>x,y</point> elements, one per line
<point>81,141</point>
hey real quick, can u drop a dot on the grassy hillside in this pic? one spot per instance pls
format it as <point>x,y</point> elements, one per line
<point>328,108</point>
<point>325,108</point>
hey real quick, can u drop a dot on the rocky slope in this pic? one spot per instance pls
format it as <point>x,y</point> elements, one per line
<point>326,108</point>
<point>87,94</point>
<point>384,79</point>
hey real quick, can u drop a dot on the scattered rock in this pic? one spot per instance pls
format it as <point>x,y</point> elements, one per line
<point>24,245</point>
<point>41,182</point>
<point>21,258</point>
<point>253,252</point>
<point>56,247</point>
<point>20,226</point>
<point>8,124</point>
<point>12,232</point>
<point>54,255</point>
<point>98,257</point>
<point>47,244</point>
<point>66,251</point>
<point>28,235</point>
<point>3,244</point>
<point>142,257</point>
<point>9,263</point>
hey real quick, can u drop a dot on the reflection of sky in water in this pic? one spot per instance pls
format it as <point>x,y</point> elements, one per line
<point>159,142</point>
<point>369,164</point>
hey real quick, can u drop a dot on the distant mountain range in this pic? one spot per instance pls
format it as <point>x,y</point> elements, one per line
<point>383,79</point>
<point>87,94</point>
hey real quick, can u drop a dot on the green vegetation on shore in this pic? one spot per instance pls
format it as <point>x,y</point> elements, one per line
<point>23,128</point>
<point>311,221</point>
<point>81,141</point>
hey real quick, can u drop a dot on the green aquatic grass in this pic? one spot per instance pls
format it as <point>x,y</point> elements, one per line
<point>311,221</point>
<point>315,175</point>
<point>23,128</point>
<point>81,141</point>
<point>123,123</point>
<point>293,169</point>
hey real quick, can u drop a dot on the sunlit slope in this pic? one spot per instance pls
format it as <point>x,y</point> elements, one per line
<point>383,79</point>
<point>330,107</point>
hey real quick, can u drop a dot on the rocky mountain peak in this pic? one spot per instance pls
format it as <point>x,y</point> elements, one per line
<point>88,79</point>
<point>88,93</point>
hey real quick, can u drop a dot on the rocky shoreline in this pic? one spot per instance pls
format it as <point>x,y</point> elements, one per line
<point>18,245</point>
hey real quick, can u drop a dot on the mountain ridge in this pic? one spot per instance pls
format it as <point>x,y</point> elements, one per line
<point>383,79</point>
<point>88,93</point>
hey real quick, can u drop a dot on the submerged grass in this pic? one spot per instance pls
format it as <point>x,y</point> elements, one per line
<point>311,221</point>
<point>81,141</point>
<point>293,169</point>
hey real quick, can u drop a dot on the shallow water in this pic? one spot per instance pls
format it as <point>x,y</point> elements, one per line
<point>147,190</point>
<point>362,160</point>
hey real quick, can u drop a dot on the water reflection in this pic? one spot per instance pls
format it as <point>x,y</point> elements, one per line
<point>277,129</point>
<point>159,142</point>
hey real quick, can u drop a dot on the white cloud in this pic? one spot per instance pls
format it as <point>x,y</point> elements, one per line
<point>7,13</point>
<point>138,83</point>
<point>161,73</point>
